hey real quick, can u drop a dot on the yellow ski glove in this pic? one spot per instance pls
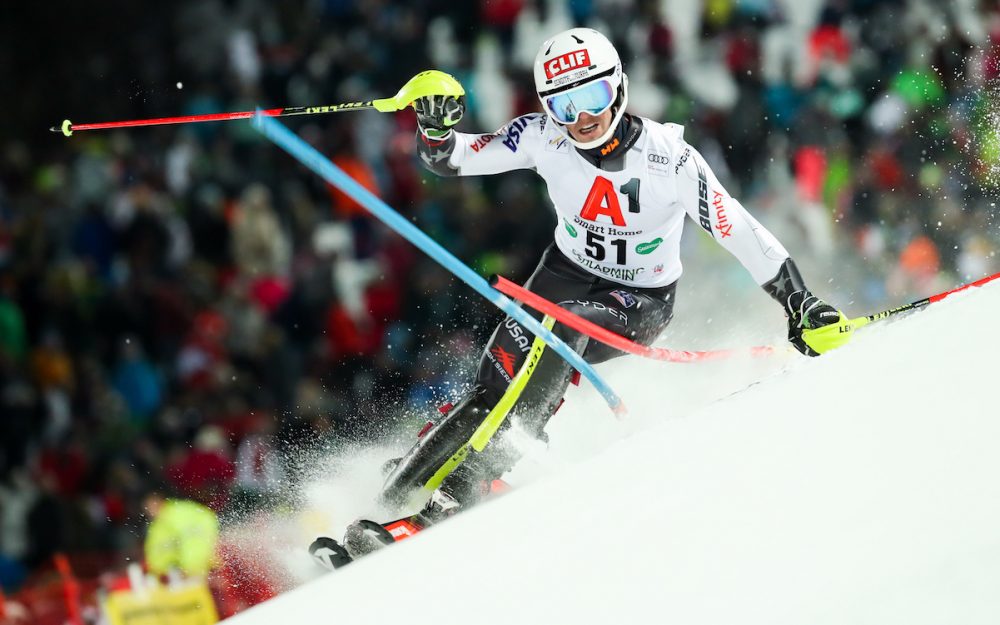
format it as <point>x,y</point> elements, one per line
<point>814,327</point>
<point>826,332</point>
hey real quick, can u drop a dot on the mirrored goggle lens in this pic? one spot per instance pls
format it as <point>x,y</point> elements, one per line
<point>593,98</point>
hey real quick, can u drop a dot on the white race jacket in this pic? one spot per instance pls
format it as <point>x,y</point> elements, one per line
<point>625,225</point>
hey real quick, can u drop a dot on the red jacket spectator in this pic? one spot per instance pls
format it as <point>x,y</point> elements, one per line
<point>206,472</point>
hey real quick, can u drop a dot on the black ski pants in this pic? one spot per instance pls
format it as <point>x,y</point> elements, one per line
<point>639,314</point>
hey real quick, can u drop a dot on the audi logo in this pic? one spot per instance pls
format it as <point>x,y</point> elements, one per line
<point>662,159</point>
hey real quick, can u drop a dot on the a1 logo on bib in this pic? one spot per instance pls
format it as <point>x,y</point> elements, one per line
<point>602,200</point>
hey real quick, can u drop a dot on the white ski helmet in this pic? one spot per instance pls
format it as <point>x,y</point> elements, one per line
<point>579,70</point>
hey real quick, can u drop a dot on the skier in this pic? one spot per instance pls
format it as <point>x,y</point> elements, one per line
<point>620,185</point>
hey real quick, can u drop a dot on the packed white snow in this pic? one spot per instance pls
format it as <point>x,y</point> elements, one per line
<point>860,487</point>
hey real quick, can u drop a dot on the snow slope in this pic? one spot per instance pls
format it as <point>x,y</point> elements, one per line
<point>861,487</point>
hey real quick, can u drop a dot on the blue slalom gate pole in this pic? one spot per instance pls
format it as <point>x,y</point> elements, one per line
<point>311,158</point>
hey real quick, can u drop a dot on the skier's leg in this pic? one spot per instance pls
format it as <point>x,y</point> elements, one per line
<point>444,445</point>
<point>638,313</point>
<point>413,473</point>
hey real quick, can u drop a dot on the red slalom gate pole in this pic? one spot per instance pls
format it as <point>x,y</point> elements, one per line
<point>617,341</point>
<point>608,337</point>
<point>977,283</point>
<point>71,590</point>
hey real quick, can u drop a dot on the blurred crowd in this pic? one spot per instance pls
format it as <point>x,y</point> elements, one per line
<point>184,307</point>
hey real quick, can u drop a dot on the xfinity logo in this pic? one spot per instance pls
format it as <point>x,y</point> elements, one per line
<point>659,159</point>
<point>723,224</point>
<point>566,62</point>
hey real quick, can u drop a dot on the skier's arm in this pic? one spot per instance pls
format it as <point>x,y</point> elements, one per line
<point>814,327</point>
<point>709,204</point>
<point>449,153</point>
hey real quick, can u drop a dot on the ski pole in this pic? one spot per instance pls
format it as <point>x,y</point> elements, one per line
<point>311,158</point>
<point>608,337</point>
<point>431,82</point>
<point>861,322</point>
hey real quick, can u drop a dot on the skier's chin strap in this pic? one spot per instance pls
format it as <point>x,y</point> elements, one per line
<point>610,156</point>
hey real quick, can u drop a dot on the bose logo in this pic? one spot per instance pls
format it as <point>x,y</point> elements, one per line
<point>660,159</point>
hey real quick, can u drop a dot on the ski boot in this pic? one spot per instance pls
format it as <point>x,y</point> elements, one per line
<point>439,507</point>
<point>361,538</point>
<point>329,553</point>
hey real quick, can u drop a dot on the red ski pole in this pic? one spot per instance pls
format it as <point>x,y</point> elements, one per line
<point>68,127</point>
<point>431,82</point>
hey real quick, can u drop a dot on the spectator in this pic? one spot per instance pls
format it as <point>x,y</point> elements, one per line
<point>182,536</point>
<point>13,338</point>
<point>17,495</point>
<point>205,472</point>
<point>259,243</point>
<point>138,382</point>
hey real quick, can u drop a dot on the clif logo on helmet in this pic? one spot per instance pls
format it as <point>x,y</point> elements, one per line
<point>579,71</point>
<point>566,62</point>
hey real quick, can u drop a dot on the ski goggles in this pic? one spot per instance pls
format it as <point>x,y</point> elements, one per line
<point>594,98</point>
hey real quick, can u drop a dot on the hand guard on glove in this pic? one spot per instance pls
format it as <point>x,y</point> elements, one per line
<point>436,114</point>
<point>814,327</point>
